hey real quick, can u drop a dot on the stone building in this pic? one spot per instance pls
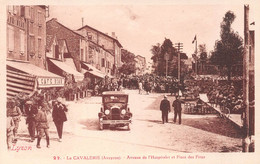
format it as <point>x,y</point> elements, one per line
<point>77,44</point>
<point>109,43</point>
<point>25,56</point>
<point>140,65</point>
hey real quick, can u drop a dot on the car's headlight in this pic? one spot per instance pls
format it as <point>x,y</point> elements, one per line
<point>123,111</point>
<point>107,112</point>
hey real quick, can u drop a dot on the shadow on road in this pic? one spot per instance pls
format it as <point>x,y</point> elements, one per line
<point>93,124</point>
<point>214,125</point>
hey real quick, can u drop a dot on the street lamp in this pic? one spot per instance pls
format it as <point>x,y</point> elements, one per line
<point>166,57</point>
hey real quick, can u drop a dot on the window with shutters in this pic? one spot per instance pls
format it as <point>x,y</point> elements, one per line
<point>56,52</point>
<point>22,41</point>
<point>39,47</point>
<point>32,14</point>
<point>102,62</point>
<point>32,45</point>
<point>10,39</point>
<point>81,54</point>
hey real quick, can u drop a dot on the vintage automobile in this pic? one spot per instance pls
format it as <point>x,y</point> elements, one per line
<point>115,111</point>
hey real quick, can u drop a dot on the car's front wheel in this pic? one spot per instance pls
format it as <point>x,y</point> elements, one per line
<point>128,127</point>
<point>101,126</point>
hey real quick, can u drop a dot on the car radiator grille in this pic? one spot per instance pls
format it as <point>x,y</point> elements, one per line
<point>115,113</point>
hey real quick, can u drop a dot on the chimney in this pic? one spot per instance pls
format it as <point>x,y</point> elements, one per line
<point>113,34</point>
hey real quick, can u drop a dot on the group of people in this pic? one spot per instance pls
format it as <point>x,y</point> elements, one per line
<point>227,96</point>
<point>36,111</point>
<point>166,108</point>
<point>151,83</point>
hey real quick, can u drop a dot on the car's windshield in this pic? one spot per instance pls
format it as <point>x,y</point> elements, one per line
<point>115,98</point>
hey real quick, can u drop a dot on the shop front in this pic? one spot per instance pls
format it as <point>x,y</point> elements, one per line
<point>23,77</point>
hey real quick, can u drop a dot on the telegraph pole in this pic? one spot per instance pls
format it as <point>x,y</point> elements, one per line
<point>246,140</point>
<point>179,47</point>
<point>196,60</point>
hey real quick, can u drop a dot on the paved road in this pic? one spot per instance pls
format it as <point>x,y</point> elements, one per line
<point>148,136</point>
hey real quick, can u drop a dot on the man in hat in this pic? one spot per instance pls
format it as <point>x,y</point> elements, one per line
<point>14,111</point>
<point>59,116</point>
<point>31,111</point>
<point>165,108</point>
<point>177,109</point>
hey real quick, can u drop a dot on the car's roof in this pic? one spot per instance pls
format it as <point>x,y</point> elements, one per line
<point>114,93</point>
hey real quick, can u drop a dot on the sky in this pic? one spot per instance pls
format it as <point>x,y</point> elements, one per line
<point>140,26</point>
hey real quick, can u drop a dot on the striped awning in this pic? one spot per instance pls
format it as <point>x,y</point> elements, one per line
<point>23,77</point>
<point>19,82</point>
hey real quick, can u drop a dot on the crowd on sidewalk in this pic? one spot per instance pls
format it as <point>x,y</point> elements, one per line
<point>36,110</point>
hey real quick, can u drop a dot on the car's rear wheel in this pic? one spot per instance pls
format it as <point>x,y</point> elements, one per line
<point>128,127</point>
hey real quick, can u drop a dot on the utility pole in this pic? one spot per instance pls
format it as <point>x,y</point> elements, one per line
<point>179,47</point>
<point>196,59</point>
<point>246,140</point>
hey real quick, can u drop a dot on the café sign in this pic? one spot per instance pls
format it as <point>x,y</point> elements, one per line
<point>44,82</point>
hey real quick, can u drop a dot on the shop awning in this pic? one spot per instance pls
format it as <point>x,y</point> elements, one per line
<point>94,71</point>
<point>25,77</point>
<point>66,68</point>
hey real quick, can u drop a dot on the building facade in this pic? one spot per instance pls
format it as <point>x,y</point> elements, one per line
<point>77,45</point>
<point>140,65</point>
<point>109,43</point>
<point>25,56</point>
<point>26,34</point>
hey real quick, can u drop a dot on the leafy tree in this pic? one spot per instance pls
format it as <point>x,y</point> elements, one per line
<point>203,52</point>
<point>229,50</point>
<point>128,59</point>
<point>159,52</point>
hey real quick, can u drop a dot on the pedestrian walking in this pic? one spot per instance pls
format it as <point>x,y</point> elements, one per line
<point>14,111</point>
<point>59,116</point>
<point>31,112</point>
<point>9,130</point>
<point>42,126</point>
<point>177,109</point>
<point>165,108</point>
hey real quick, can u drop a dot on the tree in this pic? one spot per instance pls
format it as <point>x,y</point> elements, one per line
<point>203,52</point>
<point>128,59</point>
<point>159,52</point>
<point>229,50</point>
<point>156,51</point>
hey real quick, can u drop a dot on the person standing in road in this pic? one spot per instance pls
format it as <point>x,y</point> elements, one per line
<point>177,109</point>
<point>14,111</point>
<point>42,126</point>
<point>140,86</point>
<point>59,116</point>
<point>165,108</point>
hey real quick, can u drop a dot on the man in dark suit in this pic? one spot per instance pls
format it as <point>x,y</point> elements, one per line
<point>177,109</point>
<point>59,116</point>
<point>165,108</point>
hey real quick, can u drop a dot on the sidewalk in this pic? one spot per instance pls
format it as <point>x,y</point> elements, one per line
<point>235,118</point>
